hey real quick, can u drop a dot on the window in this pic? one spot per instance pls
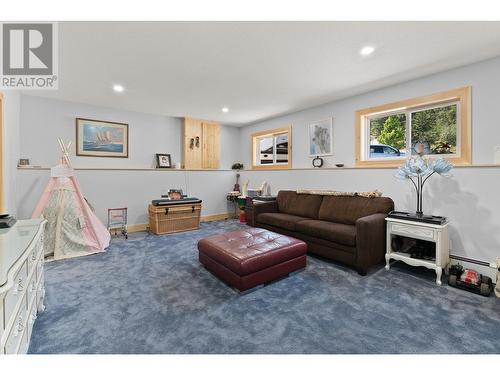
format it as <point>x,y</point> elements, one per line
<point>438,124</point>
<point>272,149</point>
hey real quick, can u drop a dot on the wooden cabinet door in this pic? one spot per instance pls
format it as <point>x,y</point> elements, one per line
<point>193,143</point>
<point>211,145</point>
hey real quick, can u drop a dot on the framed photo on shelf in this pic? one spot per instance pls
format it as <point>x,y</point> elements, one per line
<point>101,138</point>
<point>163,161</point>
<point>321,138</point>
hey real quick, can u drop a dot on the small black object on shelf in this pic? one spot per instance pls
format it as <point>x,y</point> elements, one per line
<point>317,162</point>
<point>237,166</point>
<point>429,219</point>
<point>6,221</point>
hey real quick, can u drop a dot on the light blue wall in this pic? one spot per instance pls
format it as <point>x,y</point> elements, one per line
<point>43,120</point>
<point>484,77</point>
<point>11,148</point>
<point>470,198</point>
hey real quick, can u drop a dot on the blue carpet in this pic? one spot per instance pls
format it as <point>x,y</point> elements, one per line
<point>150,295</point>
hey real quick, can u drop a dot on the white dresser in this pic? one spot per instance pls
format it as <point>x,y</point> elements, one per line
<point>21,283</point>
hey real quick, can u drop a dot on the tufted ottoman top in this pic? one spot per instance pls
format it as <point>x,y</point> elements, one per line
<point>250,250</point>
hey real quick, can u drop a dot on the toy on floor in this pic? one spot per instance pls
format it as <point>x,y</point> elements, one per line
<point>470,280</point>
<point>117,220</point>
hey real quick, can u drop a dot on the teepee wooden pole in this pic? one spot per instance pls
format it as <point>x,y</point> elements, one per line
<point>64,150</point>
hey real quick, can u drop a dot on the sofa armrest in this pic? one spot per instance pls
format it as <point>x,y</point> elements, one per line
<point>370,241</point>
<point>261,208</point>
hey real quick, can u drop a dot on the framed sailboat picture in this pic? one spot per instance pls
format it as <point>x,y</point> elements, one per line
<point>101,138</point>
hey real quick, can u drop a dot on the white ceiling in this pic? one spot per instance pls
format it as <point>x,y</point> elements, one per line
<point>257,69</point>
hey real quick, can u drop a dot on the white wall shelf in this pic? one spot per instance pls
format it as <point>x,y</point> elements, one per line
<point>45,168</point>
<point>370,167</point>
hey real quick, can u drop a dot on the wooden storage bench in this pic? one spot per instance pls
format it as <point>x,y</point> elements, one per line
<point>175,218</point>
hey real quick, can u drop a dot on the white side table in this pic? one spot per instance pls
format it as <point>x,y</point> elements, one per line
<point>423,231</point>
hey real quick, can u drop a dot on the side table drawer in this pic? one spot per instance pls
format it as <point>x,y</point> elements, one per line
<point>413,231</point>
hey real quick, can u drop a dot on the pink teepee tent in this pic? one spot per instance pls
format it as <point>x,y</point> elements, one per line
<point>72,227</point>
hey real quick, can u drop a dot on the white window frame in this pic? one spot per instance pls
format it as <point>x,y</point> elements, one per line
<point>274,133</point>
<point>408,127</point>
<point>461,97</point>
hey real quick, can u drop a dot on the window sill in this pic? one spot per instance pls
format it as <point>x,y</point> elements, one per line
<point>463,162</point>
<point>271,167</point>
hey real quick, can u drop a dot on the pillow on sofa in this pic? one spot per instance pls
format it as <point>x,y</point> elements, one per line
<point>368,194</point>
<point>289,202</point>
<point>346,210</point>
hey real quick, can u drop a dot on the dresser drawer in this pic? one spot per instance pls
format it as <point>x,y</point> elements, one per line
<point>16,292</point>
<point>32,317</point>
<point>16,332</point>
<point>33,256</point>
<point>32,288</point>
<point>39,269</point>
<point>40,295</point>
<point>23,345</point>
<point>413,231</point>
<point>2,326</point>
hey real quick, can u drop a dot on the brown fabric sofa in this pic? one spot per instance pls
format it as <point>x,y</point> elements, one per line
<point>347,229</point>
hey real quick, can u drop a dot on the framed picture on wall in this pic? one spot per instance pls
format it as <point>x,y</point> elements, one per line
<point>321,138</point>
<point>101,138</point>
<point>163,161</point>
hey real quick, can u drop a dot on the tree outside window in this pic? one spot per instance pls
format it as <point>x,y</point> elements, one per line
<point>435,128</point>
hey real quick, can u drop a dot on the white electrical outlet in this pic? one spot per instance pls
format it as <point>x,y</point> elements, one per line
<point>496,152</point>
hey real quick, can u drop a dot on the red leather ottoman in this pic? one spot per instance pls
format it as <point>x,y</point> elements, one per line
<point>250,257</point>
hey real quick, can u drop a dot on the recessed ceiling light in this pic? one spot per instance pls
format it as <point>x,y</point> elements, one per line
<point>225,109</point>
<point>118,88</point>
<point>367,50</point>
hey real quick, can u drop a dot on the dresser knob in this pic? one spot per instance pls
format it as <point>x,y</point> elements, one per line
<point>20,326</point>
<point>19,287</point>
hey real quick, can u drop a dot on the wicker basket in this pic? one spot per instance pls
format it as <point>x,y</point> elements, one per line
<point>178,218</point>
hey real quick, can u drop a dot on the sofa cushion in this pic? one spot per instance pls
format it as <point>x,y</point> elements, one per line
<point>279,220</point>
<point>334,232</point>
<point>305,205</point>
<point>347,210</point>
